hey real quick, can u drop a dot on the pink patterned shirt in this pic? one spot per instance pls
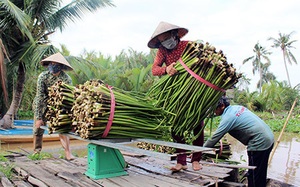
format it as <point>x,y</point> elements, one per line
<point>167,57</point>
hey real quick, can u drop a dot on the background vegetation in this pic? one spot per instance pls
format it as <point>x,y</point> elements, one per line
<point>131,70</point>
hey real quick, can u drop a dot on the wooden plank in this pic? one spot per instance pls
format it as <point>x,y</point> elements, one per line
<point>20,183</point>
<point>6,182</point>
<point>58,165</point>
<point>228,165</point>
<point>127,148</point>
<point>77,178</point>
<point>157,166</point>
<point>123,147</point>
<point>40,174</point>
<point>147,180</point>
<point>176,145</point>
<point>162,167</point>
<point>162,180</point>
<point>36,182</point>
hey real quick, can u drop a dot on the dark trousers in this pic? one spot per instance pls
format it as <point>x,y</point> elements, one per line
<point>258,177</point>
<point>181,158</point>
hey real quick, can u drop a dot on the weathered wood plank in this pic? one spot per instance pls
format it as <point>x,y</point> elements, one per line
<point>162,167</point>
<point>142,171</point>
<point>58,165</point>
<point>228,165</point>
<point>20,183</point>
<point>156,166</point>
<point>6,182</point>
<point>77,178</point>
<point>168,180</point>
<point>127,148</point>
<point>39,173</point>
<point>155,180</point>
<point>36,182</point>
<point>176,145</point>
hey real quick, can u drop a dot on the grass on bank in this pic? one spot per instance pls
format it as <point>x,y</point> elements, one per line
<point>275,121</point>
<point>5,167</point>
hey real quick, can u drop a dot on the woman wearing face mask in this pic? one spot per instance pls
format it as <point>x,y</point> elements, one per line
<point>56,64</point>
<point>166,38</point>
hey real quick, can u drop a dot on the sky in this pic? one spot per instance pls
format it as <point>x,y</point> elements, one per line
<point>233,26</point>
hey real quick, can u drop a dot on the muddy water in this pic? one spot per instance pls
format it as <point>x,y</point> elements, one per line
<point>285,163</point>
<point>284,166</point>
<point>54,147</point>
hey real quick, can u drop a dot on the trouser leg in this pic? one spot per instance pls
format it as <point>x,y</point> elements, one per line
<point>199,131</point>
<point>37,138</point>
<point>181,158</point>
<point>258,177</point>
<point>37,143</point>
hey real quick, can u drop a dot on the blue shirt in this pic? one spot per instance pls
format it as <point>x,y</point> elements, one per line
<point>245,126</point>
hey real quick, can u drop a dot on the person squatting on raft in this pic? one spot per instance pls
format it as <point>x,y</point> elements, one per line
<point>56,64</point>
<point>250,130</point>
<point>166,38</point>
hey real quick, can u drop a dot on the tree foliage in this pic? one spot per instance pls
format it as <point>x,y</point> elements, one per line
<point>284,42</point>
<point>25,27</point>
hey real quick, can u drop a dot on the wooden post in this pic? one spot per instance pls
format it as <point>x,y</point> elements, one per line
<point>282,130</point>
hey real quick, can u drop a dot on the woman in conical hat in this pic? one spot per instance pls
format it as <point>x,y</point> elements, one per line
<point>59,59</point>
<point>56,64</point>
<point>167,38</point>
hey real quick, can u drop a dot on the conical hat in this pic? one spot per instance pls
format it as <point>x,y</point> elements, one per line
<point>59,58</point>
<point>162,28</point>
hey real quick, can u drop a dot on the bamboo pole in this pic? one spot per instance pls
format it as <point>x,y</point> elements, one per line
<point>282,130</point>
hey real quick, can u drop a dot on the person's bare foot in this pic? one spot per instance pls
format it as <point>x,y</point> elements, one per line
<point>179,167</point>
<point>196,166</point>
<point>69,156</point>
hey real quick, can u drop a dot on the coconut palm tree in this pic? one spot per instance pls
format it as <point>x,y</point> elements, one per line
<point>25,27</point>
<point>260,52</point>
<point>267,76</point>
<point>285,43</point>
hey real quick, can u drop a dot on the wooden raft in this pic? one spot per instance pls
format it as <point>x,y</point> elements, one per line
<point>142,171</point>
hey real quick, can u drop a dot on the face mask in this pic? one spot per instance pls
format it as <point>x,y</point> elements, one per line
<point>169,43</point>
<point>54,68</point>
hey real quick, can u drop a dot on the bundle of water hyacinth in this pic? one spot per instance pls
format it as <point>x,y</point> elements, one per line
<point>100,111</point>
<point>203,77</point>
<point>59,104</point>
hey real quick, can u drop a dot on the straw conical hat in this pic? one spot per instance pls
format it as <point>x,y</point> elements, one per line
<point>59,58</point>
<point>162,28</point>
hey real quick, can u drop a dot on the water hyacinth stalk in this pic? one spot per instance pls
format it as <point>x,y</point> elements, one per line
<point>187,97</point>
<point>134,116</point>
<point>59,104</point>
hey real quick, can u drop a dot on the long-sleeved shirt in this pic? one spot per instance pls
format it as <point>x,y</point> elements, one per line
<point>167,57</point>
<point>245,126</point>
<point>46,80</point>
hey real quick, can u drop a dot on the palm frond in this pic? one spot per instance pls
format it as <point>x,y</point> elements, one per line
<point>14,15</point>
<point>72,11</point>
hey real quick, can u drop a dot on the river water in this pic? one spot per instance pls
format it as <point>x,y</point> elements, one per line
<point>285,163</point>
<point>284,166</point>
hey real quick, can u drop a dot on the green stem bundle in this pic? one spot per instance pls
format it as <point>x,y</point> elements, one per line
<point>134,116</point>
<point>60,102</point>
<point>187,97</point>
